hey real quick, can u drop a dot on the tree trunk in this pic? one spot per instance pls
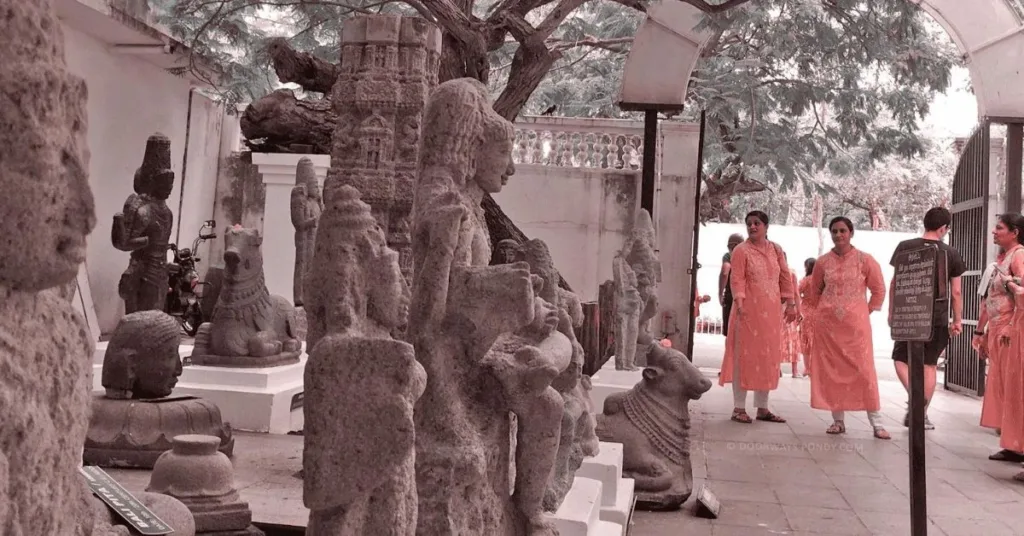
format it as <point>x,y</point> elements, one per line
<point>277,121</point>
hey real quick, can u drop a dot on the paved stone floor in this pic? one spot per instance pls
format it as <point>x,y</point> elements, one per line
<point>793,478</point>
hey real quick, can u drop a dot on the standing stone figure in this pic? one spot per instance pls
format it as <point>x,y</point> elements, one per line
<point>637,273</point>
<point>144,229</point>
<point>306,208</point>
<point>361,385</point>
<point>46,212</point>
<point>627,314</point>
<point>460,307</point>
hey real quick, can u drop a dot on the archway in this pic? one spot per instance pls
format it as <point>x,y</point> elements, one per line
<point>989,34</point>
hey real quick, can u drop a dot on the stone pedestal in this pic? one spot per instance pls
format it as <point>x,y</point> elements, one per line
<point>580,512</point>
<point>609,381</point>
<point>278,171</point>
<point>250,399</point>
<point>617,492</point>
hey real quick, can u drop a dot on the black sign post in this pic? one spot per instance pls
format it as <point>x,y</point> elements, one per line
<point>913,302</point>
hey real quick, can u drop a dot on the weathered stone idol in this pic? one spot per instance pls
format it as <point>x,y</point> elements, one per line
<point>637,274</point>
<point>652,421</point>
<point>306,205</point>
<point>203,479</point>
<point>144,229</point>
<point>460,307</point>
<point>389,64</point>
<point>361,385</point>
<point>133,423</point>
<point>250,327</point>
<point>46,212</point>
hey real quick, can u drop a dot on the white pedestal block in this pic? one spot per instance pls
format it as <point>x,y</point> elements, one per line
<point>580,513</point>
<point>609,381</point>
<point>250,399</point>
<point>617,492</point>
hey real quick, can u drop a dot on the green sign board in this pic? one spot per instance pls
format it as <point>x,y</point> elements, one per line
<point>118,499</point>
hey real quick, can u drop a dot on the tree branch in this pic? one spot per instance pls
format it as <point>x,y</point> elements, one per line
<point>616,45</point>
<point>302,68</point>
<point>713,9</point>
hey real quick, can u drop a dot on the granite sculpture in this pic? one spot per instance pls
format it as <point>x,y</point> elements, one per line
<point>652,421</point>
<point>389,64</point>
<point>460,307</point>
<point>144,229</point>
<point>637,272</point>
<point>250,327</point>
<point>361,385</point>
<point>576,437</point>
<point>306,206</point>
<point>202,478</point>
<point>46,212</point>
<point>133,423</point>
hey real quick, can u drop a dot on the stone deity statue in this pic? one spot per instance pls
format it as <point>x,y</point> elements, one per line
<point>133,423</point>
<point>46,212</point>
<point>306,205</point>
<point>637,272</point>
<point>361,384</point>
<point>144,229</point>
<point>460,307</point>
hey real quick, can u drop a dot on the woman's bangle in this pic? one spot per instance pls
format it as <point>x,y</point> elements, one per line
<point>976,332</point>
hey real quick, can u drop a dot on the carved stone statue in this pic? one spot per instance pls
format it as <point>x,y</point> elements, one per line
<point>361,385</point>
<point>250,327</point>
<point>576,438</point>
<point>637,273</point>
<point>460,307</point>
<point>133,423</point>
<point>306,207</point>
<point>652,421</point>
<point>46,212</point>
<point>144,229</point>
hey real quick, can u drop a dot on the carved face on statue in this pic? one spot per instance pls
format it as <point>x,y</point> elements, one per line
<point>388,292</point>
<point>494,163</point>
<point>46,203</point>
<point>142,359</point>
<point>242,256</point>
<point>671,374</point>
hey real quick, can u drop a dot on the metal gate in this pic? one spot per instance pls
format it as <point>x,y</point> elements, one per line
<point>964,372</point>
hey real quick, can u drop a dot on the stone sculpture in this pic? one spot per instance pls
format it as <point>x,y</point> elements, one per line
<point>250,327</point>
<point>133,423</point>
<point>194,473</point>
<point>637,273</point>
<point>652,421</point>
<point>361,385</point>
<point>306,205</point>
<point>460,307</point>
<point>46,212</point>
<point>144,229</point>
<point>389,64</point>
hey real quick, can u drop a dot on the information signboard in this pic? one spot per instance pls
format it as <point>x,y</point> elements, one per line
<point>123,503</point>
<point>913,298</point>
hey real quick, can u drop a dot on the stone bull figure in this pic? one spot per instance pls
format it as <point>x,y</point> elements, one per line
<point>652,421</point>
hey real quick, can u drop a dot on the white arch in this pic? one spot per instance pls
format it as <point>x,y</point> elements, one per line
<point>989,33</point>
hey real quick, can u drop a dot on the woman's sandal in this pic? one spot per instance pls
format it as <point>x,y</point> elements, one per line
<point>838,427</point>
<point>769,417</point>
<point>881,433</point>
<point>741,416</point>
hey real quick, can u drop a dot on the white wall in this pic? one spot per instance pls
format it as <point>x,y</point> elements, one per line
<point>799,243</point>
<point>130,99</point>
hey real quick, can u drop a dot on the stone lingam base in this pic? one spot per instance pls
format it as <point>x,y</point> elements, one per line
<point>265,399</point>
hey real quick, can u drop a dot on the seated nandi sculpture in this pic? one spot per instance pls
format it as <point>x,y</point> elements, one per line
<point>249,328</point>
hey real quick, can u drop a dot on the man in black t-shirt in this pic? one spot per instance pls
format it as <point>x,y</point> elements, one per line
<point>724,280</point>
<point>936,226</point>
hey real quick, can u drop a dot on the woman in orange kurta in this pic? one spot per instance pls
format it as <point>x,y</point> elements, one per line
<point>844,360</point>
<point>791,335</point>
<point>996,339</point>
<point>753,347</point>
<point>806,316</point>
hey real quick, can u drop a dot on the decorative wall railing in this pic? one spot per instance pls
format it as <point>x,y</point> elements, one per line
<point>579,143</point>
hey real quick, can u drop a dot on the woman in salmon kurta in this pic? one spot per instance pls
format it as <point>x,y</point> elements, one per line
<point>753,347</point>
<point>791,335</point>
<point>844,360</point>
<point>997,337</point>
<point>806,316</point>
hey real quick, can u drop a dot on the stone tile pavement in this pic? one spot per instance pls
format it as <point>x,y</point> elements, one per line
<point>793,478</point>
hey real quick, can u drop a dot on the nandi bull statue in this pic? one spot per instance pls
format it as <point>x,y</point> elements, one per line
<point>249,328</point>
<point>652,421</point>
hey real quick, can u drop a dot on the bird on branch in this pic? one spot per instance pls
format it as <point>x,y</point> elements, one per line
<point>551,110</point>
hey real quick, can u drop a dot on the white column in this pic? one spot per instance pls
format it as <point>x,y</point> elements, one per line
<point>278,171</point>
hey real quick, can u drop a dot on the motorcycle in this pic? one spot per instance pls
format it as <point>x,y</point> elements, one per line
<point>183,282</point>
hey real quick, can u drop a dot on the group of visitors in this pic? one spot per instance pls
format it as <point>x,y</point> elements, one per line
<point>771,319</point>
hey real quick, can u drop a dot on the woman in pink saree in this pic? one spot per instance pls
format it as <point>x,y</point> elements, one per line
<point>994,337</point>
<point>843,359</point>
<point>760,281</point>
